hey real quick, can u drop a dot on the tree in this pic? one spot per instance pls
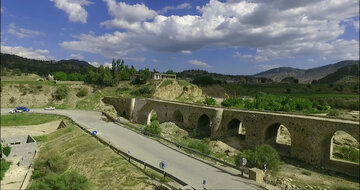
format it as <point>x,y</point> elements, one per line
<point>170,72</point>
<point>60,76</point>
<point>6,150</point>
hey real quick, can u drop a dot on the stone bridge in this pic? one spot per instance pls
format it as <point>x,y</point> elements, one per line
<point>311,137</point>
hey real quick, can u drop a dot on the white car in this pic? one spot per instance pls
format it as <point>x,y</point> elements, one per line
<point>15,111</point>
<point>49,108</point>
<point>12,111</point>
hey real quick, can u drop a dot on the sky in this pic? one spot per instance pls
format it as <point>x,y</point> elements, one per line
<point>238,37</point>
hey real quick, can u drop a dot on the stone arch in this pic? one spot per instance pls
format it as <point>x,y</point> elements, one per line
<point>178,117</point>
<point>279,137</point>
<point>145,113</point>
<point>151,114</point>
<point>204,126</point>
<point>342,141</point>
<point>235,128</point>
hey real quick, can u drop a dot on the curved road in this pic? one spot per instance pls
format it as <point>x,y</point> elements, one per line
<point>187,169</point>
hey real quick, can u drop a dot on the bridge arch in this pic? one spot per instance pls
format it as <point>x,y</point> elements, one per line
<point>236,128</point>
<point>343,147</point>
<point>204,126</point>
<point>279,137</point>
<point>177,117</point>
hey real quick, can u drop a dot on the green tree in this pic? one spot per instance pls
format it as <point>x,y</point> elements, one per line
<point>263,154</point>
<point>154,128</point>
<point>60,76</point>
<point>6,150</point>
<point>209,101</point>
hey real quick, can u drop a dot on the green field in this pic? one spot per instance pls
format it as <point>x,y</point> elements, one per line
<point>5,165</point>
<point>27,119</point>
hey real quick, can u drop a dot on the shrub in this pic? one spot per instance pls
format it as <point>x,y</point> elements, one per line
<point>69,181</point>
<point>166,83</point>
<point>144,91</point>
<point>349,153</point>
<point>12,100</point>
<point>334,112</point>
<point>61,92</point>
<point>233,102</point>
<point>308,173</point>
<point>263,154</point>
<point>154,128</point>
<point>122,89</point>
<point>6,150</point>
<point>183,83</point>
<point>57,164</point>
<point>200,146</point>
<point>209,101</point>
<point>154,118</point>
<point>82,92</point>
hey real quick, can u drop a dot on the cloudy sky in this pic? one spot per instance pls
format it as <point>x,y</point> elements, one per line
<point>224,36</point>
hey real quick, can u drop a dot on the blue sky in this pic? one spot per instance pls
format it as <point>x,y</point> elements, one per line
<point>223,36</point>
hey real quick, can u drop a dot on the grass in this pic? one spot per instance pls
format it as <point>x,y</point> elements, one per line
<point>85,155</point>
<point>308,173</point>
<point>183,83</point>
<point>5,165</point>
<point>27,119</point>
<point>166,83</point>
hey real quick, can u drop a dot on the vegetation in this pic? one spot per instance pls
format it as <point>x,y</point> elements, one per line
<point>263,154</point>
<point>348,153</point>
<point>12,100</point>
<point>205,80</point>
<point>80,151</point>
<point>183,83</point>
<point>199,145</point>
<point>154,128</point>
<point>209,101</point>
<point>334,112</point>
<point>27,119</point>
<point>5,165</point>
<point>61,92</point>
<point>69,77</point>
<point>82,92</point>
<point>66,181</point>
<point>305,172</point>
<point>145,91</point>
<point>23,65</point>
<point>6,150</point>
<point>166,83</point>
<point>291,80</point>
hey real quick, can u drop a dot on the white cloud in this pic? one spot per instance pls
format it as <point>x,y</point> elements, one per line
<point>268,67</point>
<point>76,56</point>
<point>95,64</point>
<point>185,52</point>
<point>242,56</point>
<point>199,63</point>
<point>25,52</point>
<point>356,25</point>
<point>107,65</point>
<point>137,59</point>
<point>74,8</point>
<point>155,61</point>
<point>127,16</point>
<point>311,60</point>
<point>22,32</point>
<point>275,29</point>
<point>179,7</point>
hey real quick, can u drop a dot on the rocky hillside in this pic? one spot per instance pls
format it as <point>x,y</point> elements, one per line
<point>304,75</point>
<point>177,90</point>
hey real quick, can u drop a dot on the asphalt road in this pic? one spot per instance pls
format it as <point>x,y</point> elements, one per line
<point>187,169</point>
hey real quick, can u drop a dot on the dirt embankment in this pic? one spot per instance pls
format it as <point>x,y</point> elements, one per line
<point>172,90</point>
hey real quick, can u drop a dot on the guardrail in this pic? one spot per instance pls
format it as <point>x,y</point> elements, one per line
<point>176,144</point>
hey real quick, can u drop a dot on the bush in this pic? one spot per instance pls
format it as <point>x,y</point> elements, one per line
<point>4,167</point>
<point>308,173</point>
<point>50,163</point>
<point>334,112</point>
<point>166,83</point>
<point>183,83</point>
<point>209,101</point>
<point>6,150</point>
<point>61,92</point>
<point>154,128</point>
<point>200,146</point>
<point>263,154</point>
<point>66,181</point>
<point>349,153</point>
<point>233,102</point>
<point>82,92</point>
<point>154,118</point>
<point>12,100</point>
<point>144,91</point>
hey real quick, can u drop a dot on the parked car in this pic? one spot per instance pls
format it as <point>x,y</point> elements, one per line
<point>12,111</point>
<point>49,108</point>
<point>22,109</point>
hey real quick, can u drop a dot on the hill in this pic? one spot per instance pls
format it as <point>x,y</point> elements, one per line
<point>345,74</point>
<point>42,67</point>
<point>304,75</point>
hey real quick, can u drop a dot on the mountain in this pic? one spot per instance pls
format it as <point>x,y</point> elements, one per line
<point>345,74</point>
<point>41,67</point>
<point>304,75</point>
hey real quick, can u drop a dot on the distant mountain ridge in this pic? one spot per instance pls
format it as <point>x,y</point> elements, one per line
<point>304,75</point>
<point>41,67</point>
<point>349,73</point>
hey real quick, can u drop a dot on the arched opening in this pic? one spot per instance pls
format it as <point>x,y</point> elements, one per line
<point>203,126</point>
<point>279,137</point>
<point>344,147</point>
<point>235,128</point>
<point>151,117</point>
<point>178,117</point>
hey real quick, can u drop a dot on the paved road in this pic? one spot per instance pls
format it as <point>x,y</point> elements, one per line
<point>183,167</point>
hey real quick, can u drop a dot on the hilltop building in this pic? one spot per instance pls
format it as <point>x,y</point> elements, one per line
<point>161,76</point>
